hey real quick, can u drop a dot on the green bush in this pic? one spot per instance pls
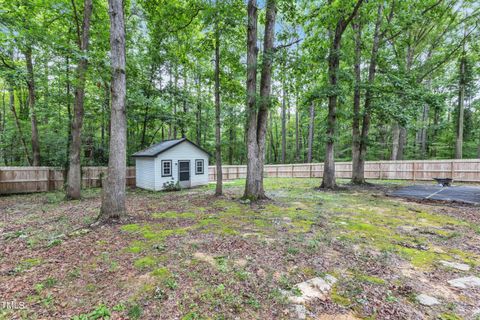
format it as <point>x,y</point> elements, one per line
<point>171,186</point>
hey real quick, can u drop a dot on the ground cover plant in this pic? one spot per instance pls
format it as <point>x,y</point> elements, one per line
<point>191,255</point>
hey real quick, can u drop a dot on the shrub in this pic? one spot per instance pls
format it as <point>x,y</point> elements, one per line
<point>171,186</point>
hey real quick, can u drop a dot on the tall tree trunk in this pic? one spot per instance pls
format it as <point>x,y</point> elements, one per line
<point>402,140</point>
<point>175,120</point>
<point>31,102</point>
<point>265,87</point>
<point>253,180</point>
<point>185,105</point>
<point>69,114</point>
<point>273,148</point>
<point>218,137</point>
<point>284,125</point>
<point>328,181</point>
<point>395,139</point>
<point>436,120</point>
<point>311,126</point>
<point>74,177</point>
<point>257,122</point>
<point>402,130</point>
<point>113,199</point>
<point>422,141</point>
<point>198,114</point>
<point>356,101</point>
<point>144,126</point>
<point>231,142</point>
<point>297,129</point>
<point>460,111</point>
<point>4,153</point>
<point>359,175</point>
<point>18,125</point>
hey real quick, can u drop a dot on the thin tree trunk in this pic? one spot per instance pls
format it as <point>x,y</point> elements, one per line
<point>460,111</point>
<point>18,125</point>
<point>198,114</point>
<point>423,131</point>
<point>183,129</point>
<point>69,114</point>
<point>113,199</point>
<point>23,102</point>
<point>395,140</point>
<point>356,101</point>
<point>31,102</point>
<point>297,136</point>
<point>402,134</point>
<point>218,137</point>
<point>231,142</point>
<point>273,149</point>
<point>175,120</point>
<point>5,160</point>
<point>284,125</point>
<point>402,139</point>
<point>144,126</point>
<point>74,177</point>
<point>311,126</point>
<point>436,120</point>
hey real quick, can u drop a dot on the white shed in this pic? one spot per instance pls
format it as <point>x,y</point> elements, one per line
<point>171,161</point>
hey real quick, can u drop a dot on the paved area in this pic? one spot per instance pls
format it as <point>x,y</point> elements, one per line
<point>465,194</point>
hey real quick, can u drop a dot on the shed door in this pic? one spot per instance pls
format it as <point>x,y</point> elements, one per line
<point>184,173</point>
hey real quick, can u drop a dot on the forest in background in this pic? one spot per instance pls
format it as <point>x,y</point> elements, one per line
<point>423,100</point>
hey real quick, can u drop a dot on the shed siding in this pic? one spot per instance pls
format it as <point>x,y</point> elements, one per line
<point>145,173</point>
<point>182,151</point>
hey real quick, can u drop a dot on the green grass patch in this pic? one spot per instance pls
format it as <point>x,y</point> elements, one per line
<point>174,215</point>
<point>145,262</point>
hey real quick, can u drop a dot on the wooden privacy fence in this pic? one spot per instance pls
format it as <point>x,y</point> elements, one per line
<point>40,179</point>
<point>459,170</point>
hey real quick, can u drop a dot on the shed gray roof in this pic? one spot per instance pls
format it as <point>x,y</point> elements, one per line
<point>163,146</point>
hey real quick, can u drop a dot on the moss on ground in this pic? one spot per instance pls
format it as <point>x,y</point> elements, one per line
<point>297,223</point>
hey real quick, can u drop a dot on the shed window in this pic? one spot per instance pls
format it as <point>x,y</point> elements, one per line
<point>166,168</point>
<point>199,166</point>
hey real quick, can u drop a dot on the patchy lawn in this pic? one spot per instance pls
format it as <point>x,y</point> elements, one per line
<point>190,255</point>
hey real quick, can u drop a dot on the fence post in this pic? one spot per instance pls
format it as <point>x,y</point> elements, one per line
<point>310,170</point>
<point>37,178</point>
<point>50,180</point>
<point>452,164</point>
<point>413,169</point>
<point>293,172</point>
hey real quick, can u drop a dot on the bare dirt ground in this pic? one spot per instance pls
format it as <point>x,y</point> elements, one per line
<point>190,255</point>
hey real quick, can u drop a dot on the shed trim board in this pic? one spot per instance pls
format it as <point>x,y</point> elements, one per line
<point>144,153</point>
